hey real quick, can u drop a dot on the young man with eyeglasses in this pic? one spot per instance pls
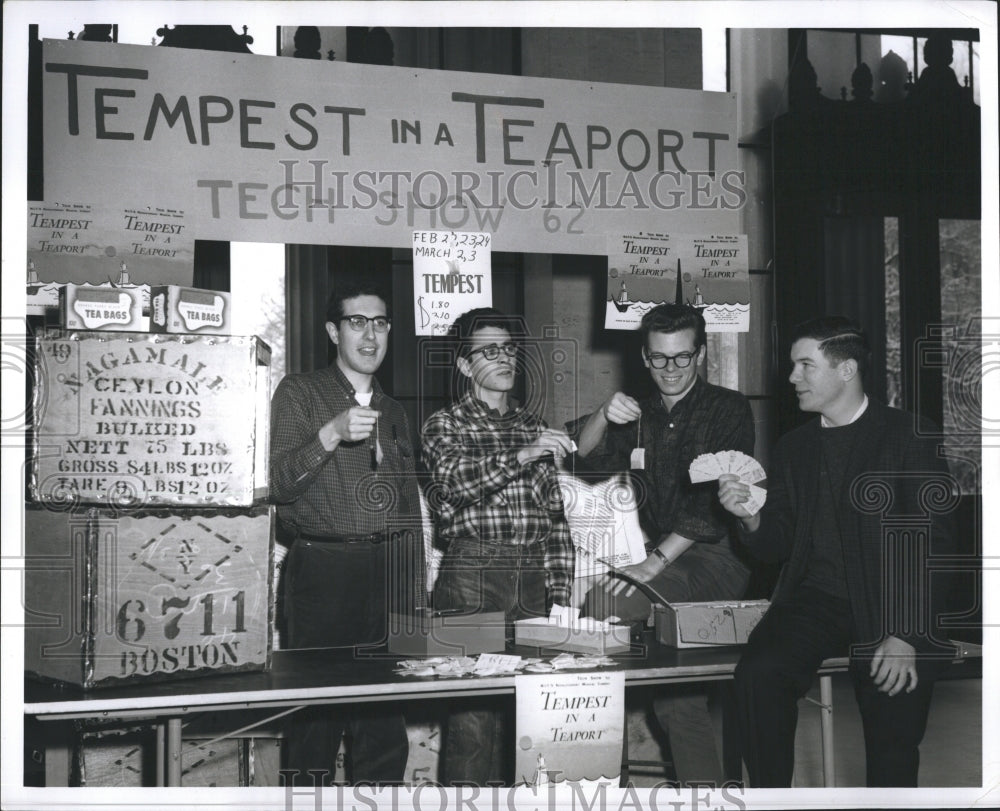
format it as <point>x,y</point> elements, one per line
<point>337,442</point>
<point>498,508</point>
<point>690,551</point>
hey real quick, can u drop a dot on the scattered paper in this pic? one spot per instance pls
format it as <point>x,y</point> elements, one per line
<point>490,664</point>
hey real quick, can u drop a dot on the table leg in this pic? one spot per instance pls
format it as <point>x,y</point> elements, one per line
<point>58,762</point>
<point>173,753</point>
<point>826,726</point>
<point>161,754</point>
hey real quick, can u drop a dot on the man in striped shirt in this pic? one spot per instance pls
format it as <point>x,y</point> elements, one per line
<point>495,494</point>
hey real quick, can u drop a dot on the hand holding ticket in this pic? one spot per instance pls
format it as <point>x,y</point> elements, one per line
<point>737,467</point>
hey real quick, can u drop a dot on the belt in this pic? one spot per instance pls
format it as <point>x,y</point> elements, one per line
<point>375,537</point>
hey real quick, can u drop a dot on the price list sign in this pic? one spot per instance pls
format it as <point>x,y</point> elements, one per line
<point>133,419</point>
<point>451,275</point>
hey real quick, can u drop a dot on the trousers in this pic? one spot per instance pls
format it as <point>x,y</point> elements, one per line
<point>778,667</point>
<point>479,577</point>
<point>335,597</point>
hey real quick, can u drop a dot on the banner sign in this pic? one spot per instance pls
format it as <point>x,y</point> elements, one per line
<point>451,275</point>
<point>643,270</point>
<point>259,148</point>
<point>570,726</point>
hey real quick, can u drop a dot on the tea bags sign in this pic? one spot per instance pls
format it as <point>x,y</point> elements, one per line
<point>451,275</point>
<point>569,726</point>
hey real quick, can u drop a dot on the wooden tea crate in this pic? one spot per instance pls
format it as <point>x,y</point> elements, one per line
<point>153,595</point>
<point>132,419</point>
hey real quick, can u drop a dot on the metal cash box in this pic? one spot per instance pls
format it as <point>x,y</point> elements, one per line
<point>139,419</point>
<point>112,598</point>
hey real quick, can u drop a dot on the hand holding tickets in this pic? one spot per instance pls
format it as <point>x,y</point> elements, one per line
<point>737,475</point>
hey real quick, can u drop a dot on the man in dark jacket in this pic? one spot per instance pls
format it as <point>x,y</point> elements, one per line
<point>857,500</point>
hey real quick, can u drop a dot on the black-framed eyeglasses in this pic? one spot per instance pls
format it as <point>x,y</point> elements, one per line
<point>682,360</point>
<point>492,351</point>
<point>359,323</point>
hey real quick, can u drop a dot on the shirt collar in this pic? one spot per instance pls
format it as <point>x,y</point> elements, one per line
<point>347,386</point>
<point>825,423</point>
<point>477,407</point>
<point>681,405</point>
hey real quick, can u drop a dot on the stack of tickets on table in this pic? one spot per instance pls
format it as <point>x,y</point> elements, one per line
<point>709,466</point>
<point>496,664</point>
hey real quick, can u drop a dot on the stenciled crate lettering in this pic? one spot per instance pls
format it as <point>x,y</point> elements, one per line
<point>192,594</point>
<point>130,419</point>
<point>164,595</point>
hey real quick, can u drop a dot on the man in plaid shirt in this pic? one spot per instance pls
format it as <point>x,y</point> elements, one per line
<point>498,507</point>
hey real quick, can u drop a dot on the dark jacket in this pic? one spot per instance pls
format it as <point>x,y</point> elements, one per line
<point>894,514</point>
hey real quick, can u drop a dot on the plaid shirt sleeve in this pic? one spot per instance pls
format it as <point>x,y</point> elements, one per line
<point>560,558</point>
<point>465,475</point>
<point>297,455</point>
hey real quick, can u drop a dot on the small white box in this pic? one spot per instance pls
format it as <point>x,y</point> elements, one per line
<point>189,310</point>
<point>581,637</point>
<point>103,307</point>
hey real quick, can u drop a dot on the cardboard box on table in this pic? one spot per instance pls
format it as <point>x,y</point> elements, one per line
<point>441,633</point>
<point>138,419</point>
<point>700,625</point>
<point>112,598</point>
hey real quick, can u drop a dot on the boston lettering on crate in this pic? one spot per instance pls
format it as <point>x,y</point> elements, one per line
<point>150,595</point>
<point>133,419</point>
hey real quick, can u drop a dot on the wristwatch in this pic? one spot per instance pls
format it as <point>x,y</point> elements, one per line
<point>656,551</point>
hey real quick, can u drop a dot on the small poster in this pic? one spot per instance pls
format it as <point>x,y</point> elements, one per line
<point>90,244</point>
<point>451,275</point>
<point>570,726</point>
<point>604,523</point>
<point>710,272</point>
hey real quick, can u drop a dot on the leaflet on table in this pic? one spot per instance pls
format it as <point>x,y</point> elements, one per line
<point>604,522</point>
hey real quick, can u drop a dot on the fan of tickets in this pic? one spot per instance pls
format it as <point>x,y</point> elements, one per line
<point>709,466</point>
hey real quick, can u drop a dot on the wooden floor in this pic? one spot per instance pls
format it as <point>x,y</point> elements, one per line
<point>951,753</point>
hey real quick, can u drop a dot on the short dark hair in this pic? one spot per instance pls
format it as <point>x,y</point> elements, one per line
<point>468,323</point>
<point>673,318</point>
<point>335,304</point>
<point>840,339</point>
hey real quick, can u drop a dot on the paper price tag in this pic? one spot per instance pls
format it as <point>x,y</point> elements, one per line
<point>495,661</point>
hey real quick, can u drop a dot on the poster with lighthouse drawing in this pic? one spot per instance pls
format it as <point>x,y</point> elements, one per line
<point>707,271</point>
